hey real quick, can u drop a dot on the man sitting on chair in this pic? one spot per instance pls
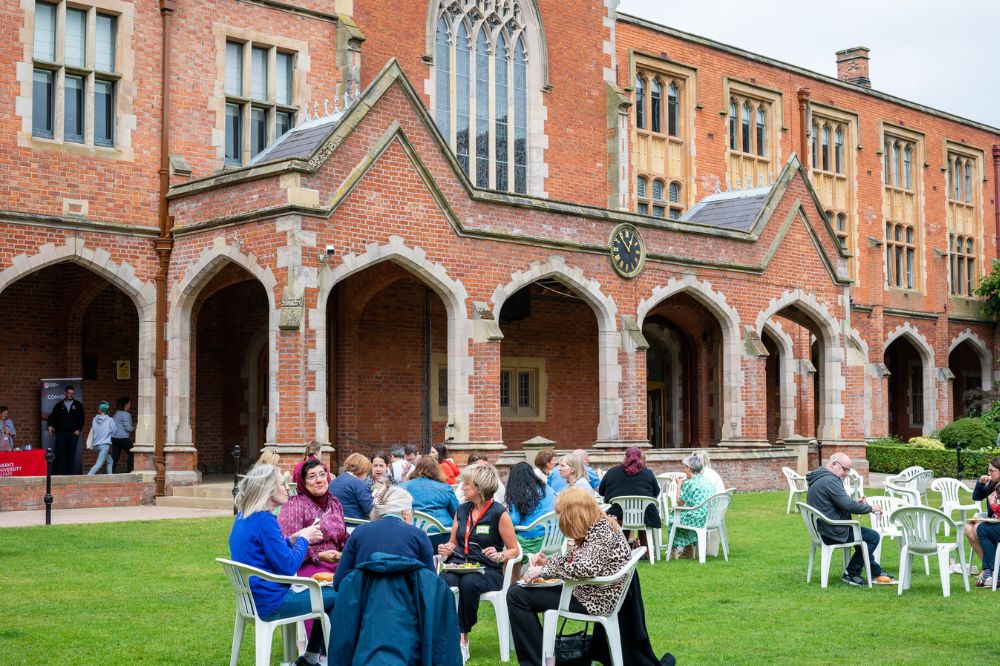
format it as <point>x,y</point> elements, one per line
<point>827,495</point>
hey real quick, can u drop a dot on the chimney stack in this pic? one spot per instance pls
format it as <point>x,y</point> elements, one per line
<point>852,66</point>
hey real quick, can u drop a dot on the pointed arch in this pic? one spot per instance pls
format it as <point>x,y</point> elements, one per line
<point>142,294</point>
<point>786,354</point>
<point>183,296</point>
<point>609,342</point>
<point>982,350</point>
<point>926,352</point>
<point>452,292</point>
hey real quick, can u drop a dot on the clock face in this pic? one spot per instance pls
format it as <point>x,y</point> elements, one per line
<point>627,251</point>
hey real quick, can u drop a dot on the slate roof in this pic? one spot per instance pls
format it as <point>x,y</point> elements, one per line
<point>299,142</point>
<point>730,210</point>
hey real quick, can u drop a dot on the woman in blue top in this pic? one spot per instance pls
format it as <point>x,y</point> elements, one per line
<point>431,493</point>
<point>350,488</point>
<point>256,540</point>
<point>528,499</point>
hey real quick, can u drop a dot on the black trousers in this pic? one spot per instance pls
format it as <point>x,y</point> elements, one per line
<point>470,586</point>
<point>523,606</point>
<point>65,451</point>
<point>119,444</point>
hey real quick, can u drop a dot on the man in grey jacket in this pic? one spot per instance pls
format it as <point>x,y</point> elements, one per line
<point>827,495</point>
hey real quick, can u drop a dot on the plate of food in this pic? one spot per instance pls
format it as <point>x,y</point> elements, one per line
<point>323,578</point>
<point>464,568</point>
<point>984,519</point>
<point>541,582</point>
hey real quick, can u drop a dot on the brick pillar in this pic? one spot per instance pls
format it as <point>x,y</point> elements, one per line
<point>631,389</point>
<point>290,425</point>
<point>484,385</point>
<point>753,431</point>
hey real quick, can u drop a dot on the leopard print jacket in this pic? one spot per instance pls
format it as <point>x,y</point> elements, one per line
<point>604,551</point>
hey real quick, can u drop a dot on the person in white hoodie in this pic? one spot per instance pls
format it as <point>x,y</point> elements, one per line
<point>101,430</point>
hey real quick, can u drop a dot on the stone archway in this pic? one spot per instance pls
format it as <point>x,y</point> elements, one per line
<point>971,363</point>
<point>925,420</point>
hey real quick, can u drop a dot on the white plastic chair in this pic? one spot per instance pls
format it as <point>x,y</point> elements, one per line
<point>796,486</point>
<point>498,598</point>
<point>908,495</point>
<point>610,623</point>
<point>634,518</point>
<point>351,523</point>
<point>854,485</point>
<point>553,540</point>
<point>905,475</point>
<point>950,489</point>
<point>715,521</point>
<point>920,526</point>
<point>812,518</point>
<point>239,577</point>
<point>427,523</point>
<point>887,529</point>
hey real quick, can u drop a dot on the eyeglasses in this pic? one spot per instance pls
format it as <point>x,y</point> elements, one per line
<point>842,466</point>
<point>315,477</point>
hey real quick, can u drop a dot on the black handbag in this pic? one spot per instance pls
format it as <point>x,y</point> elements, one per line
<point>573,649</point>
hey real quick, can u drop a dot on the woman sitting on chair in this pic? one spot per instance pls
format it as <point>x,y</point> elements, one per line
<point>632,477</point>
<point>350,487</point>
<point>379,480</point>
<point>481,534</point>
<point>256,540</point>
<point>602,550</point>
<point>976,531</point>
<point>695,490</point>
<point>528,499</point>
<point>315,503</point>
<point>573,472</point>
<point>432,494</point>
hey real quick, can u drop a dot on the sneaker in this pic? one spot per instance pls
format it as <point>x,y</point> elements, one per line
<point>884,579</point>
<point>854,579</point>
<point>465,652</point>
<point>970,569</point>
<point>985,579</point>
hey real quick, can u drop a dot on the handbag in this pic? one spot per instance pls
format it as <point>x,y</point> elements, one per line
<point>90,439</point>
<point>573,649</point>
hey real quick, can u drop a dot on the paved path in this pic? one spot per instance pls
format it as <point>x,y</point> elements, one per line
<point>115,514</point>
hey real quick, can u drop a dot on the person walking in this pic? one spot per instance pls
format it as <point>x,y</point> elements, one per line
<point>121,438</point>
<point>7,431</point>
<point>100,432</point>
<point>65,423</point>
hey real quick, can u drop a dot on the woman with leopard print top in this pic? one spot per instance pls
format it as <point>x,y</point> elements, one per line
<point>601,550</point>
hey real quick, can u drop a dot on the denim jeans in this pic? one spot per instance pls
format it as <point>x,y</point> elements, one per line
<point>103,458</point>
<point>298,603</point>
<point>856,564</point>
<point>989,536</point>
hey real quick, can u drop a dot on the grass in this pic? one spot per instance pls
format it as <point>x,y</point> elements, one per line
<point>151,593</point>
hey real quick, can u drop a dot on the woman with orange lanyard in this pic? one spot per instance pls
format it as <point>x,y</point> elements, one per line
<point>481,534</point>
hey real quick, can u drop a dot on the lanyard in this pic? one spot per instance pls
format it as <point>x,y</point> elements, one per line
<point>469,525</point>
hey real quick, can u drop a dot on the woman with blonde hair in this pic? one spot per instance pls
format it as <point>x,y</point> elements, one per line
<point>256,540</point>
<point>601,550</point>
<point>482,534</point>
<point>573,472</point>
<point>350,487</point>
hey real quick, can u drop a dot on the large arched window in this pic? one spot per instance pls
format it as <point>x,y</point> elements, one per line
<point>481,59</point>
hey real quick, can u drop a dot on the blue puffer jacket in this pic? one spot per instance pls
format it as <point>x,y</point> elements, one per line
<point>394,610</point>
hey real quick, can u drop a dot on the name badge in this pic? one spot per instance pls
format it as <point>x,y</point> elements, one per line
<point>482,529</point>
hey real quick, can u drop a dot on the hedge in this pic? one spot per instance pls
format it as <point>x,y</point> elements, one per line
<point>887,459</point>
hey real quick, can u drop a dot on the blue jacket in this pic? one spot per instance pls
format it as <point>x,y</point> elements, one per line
<point>388,535</point>
<point>558,483</point>
<point>433,498</point>
<point>545,505</point>
<point>257,540</point>
<point>353,494</point>
<point>393,611</point>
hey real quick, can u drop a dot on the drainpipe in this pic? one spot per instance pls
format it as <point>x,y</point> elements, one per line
<point>804,152</point>
<point>996,193</point>
<point>163,244</point>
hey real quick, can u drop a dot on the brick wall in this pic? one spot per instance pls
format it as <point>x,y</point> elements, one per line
<point>75,492</point>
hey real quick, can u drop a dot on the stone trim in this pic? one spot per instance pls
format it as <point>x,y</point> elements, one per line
<point>461,403</point>
<point>183,295</point>
<point>609,341</point>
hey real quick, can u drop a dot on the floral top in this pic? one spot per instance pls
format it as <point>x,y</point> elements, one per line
<point>379,488</point>
<point>300,512</point>
<point>604,551</point>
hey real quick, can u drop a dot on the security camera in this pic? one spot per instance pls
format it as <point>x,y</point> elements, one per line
<point>329,250</point>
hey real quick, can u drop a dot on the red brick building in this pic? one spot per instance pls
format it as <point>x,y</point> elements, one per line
<point>477,222</point>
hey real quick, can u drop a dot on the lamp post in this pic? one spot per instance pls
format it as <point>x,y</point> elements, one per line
<point>958,462</point>
<point>236,474</point>
<point>49,459</point>
<point>819,453</point>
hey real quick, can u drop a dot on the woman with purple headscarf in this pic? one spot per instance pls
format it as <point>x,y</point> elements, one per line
<point>315,505</point>
<point>632,477</point>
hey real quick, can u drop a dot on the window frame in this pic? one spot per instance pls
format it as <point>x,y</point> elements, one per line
<point>902,191</point>
<point>534,367</point>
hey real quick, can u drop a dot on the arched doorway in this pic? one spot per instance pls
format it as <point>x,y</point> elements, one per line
<point>66,321</point>
<point>910,395</point>
<point>388,373</point>
<point>549,365</point>
<point>971,368</point>
<point>229,315</point>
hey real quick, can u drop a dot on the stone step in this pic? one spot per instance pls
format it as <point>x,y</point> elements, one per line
<point>215,491</point>
<point>195,502</point>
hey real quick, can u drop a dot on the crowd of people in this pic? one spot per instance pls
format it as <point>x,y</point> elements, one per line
<point>361,524</point>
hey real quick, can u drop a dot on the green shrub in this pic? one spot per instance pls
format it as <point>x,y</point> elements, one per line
<point>925,443</point>
<point>893,459</point>
<point>972,432</point>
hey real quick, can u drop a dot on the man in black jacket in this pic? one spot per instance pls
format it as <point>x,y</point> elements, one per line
<point>66,424</point>
<point>827,495</point>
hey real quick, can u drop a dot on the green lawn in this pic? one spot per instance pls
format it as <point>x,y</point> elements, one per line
<point>151,593</point>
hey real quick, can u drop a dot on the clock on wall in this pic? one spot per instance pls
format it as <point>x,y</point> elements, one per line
<point>628,252</point>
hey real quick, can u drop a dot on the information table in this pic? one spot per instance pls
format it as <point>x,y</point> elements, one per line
<point>23,463</point>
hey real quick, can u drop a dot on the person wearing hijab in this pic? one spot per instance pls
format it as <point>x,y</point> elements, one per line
<point>632,477</point>
<point>315,505</point>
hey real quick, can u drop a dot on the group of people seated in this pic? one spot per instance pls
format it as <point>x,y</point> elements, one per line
<point>307,534</point>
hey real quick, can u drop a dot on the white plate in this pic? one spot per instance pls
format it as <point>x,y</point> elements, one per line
<point>462,570</point>
<point>555,583</point>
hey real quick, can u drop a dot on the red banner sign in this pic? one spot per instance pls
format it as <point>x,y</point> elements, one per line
<point>23,463</point>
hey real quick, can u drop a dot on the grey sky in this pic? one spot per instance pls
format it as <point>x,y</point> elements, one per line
<point>915,44</point>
